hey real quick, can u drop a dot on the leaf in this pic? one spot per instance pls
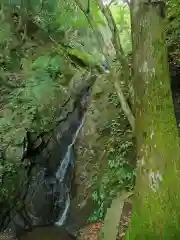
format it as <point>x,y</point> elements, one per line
<point>41,62</point>
<point>5,32</point>
<point>55,63</point>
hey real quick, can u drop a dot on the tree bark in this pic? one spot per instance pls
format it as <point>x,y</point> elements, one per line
<point>124,105</point>
<point>157,192</point>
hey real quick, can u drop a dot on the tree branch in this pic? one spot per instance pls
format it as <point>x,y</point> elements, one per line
<point>117,46</point>
<point>120,56</point>
<point>97,34</point>
<point>125,107</point>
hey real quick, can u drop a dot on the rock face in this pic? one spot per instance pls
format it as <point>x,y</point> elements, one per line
<point>91,147</point>
<point>38,233</point>
<point>41,197</point>
<point>94,145</point>
<point>47,233</point>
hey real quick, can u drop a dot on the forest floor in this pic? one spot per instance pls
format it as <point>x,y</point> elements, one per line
<point>91,232</point>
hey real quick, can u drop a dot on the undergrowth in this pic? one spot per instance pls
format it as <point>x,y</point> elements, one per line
<point>119,173</point>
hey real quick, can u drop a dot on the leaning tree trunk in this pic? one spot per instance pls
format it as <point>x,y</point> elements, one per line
<point>156,206</point>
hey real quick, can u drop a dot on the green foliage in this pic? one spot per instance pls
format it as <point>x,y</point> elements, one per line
<point>9,174</point>
<point>173,30</point>
<point>122,17</point>
<point>30,72</point>
<point>5,32</point>
<point>29,101</point>
<point>35,70</point>
<point>119,174</point>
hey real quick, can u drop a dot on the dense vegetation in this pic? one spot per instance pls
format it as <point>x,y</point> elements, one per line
<point>46,47</point>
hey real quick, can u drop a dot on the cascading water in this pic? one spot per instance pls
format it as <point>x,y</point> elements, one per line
<point>68,161</point>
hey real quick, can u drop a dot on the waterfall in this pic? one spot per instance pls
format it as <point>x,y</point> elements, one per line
<point>68,161</point>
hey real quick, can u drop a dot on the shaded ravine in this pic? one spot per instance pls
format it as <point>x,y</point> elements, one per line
<point>44,198</point>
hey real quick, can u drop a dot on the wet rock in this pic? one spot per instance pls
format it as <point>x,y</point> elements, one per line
<point>40,197</point>
<point>8,235</point>
<point>47,233</point>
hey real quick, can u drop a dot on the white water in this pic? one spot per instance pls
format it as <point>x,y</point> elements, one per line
<point>61,173</point>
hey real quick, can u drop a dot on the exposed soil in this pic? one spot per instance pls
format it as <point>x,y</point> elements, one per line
<point>91,232</point>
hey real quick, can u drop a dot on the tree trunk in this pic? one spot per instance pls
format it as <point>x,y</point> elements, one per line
<point>156,204</point>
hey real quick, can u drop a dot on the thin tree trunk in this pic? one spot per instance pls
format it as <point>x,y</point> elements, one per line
<point>156,204</point>
<point>116,41</point>
<point>119,52</point>
<point>124,105</point>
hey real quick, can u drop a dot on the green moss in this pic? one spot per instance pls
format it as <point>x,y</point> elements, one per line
<point>157,192</point>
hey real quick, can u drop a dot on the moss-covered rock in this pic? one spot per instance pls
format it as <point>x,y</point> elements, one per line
<point>98,143</point>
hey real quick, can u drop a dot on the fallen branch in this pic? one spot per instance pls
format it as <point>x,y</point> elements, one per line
<point>113,216</point>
